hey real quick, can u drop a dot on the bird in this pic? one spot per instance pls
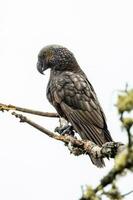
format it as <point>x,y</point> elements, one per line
<point>73,96</point>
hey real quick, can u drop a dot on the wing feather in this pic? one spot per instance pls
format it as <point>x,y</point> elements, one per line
<point>82,108</point>
<point>84,128</point>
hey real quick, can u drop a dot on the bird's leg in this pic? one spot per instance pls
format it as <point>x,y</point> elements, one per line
<point>64,127</point>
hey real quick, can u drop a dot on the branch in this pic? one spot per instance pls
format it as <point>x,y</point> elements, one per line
<point>4,107</point>
<point>127,193</point>
<point>109,149</point>
<point>111,176</point>
<point>78,147</point>
<point>123,162</point>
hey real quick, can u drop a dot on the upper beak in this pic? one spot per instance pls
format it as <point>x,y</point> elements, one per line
<point>40,67</point>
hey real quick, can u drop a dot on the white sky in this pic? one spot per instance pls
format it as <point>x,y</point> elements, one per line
<point>100,34</point>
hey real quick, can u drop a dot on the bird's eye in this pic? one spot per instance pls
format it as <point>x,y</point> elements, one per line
<point>50,62</point>
<point>41,57</point>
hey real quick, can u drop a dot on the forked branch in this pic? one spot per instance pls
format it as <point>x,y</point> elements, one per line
<point>78,147</point>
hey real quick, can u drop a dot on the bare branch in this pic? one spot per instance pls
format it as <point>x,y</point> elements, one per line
<point>127,193</point>
<point>4,107</point>
<point>130,142</point>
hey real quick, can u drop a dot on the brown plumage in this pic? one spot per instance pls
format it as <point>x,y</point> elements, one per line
<point>72,95</point>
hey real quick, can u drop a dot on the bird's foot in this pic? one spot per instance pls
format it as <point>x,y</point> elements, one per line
<point>67,129</point>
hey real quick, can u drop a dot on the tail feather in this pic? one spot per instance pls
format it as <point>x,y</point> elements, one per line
<point>87,130</point>
<point>99,162</point>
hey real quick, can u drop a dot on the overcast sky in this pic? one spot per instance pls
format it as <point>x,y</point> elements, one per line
<point>100,34</point>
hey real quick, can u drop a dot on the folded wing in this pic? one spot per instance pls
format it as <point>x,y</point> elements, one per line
<point>81,107</point>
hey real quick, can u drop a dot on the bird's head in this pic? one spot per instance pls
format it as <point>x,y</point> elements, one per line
<point>55,57</point>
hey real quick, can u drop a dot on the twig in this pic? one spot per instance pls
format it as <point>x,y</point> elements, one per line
<point>26,110</point>
<point>111,176</point>
<point>108,178</point>
<point>79,146</point>
<point>129,137</point>
<point>127,193</point>
<point>130,142</point>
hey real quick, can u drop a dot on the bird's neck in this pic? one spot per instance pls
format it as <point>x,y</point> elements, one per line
<point>71,68</point>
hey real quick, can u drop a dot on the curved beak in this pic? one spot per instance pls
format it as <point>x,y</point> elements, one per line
<point>40,67</point>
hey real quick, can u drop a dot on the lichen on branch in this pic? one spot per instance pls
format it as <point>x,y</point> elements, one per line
<point>123,161</point>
